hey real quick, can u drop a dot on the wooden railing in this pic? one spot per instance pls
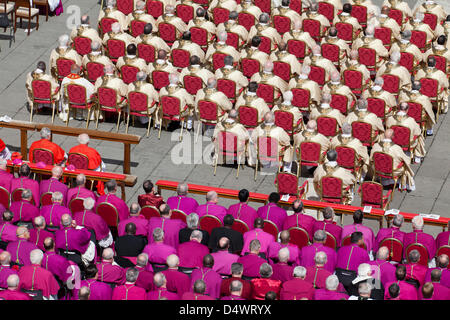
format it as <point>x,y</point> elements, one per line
<point>375,214</point>
<point>24,127</point>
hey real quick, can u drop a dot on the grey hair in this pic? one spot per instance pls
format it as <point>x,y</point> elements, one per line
<point>88,203</point>
<point>96,46</point>
<point>383,253</point>
<point>346,128</point>
<point>182,189</point>
<point>26,193</point>
<point>115,27</point>
<point>395,56</point>
<point>63,40</point>
<point>288,96</point>
<point>320,235</point>
<point>39,221</point>
<point>57,196</point>
<point>173,78</point>
<point>398,220</point>
<point>36,256</point>
<point>197,234</point>
<point>83,138</point>
<point>320,258</point>
<point>237,268</point>
<point>108,254</point>
<point>172,260</point>
<point>140,5</point>
<point>211,195</point>
<point>306,69</point>
<point>111,3</point>
<point>414,256</point>
<point>379,81</point>
<point>332,282</point>
<point>159,279</point>
<point>222,36</point>
<point>46,133</point>
<point>132,274</point>
<point>142,260</point>
<point>66,220</point>
<point>192,220</point>
<point>299,272</point>
<point>265,270</point>
<point>364,288</point>
<point>255,245</point>
<point>158,234</point>
<point>283,255</point>
<point>141,76</point>
<point>417,222</point>
<point>235,286</point>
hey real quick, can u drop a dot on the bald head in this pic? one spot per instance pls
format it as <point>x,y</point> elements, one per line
<point>285,236</point>
<point>5,258</point>
<point>389,134</point>
<point>269,118</point>
<point>311,125</point>
<point>57,172</point>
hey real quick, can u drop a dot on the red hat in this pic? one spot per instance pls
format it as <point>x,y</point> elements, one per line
<point>2,145</point>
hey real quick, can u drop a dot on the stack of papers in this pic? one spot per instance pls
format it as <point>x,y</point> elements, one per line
<point>391,212</point>
<point>5,119</point>
<point>430,216</point>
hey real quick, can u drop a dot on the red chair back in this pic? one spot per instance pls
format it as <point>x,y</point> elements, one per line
<point>317,74</point>
<point>240,226</point>
<point>4,197</point>
<point>301,98</point>
<point>345,31</point>
<point>228,87</point>
<point>297,48</point>
<point>107,97</point>
<point>363,132</point>
<point>220,15</point>
<point>391,83</point>
<point>282,69</point>
<point>287,183</point>
<point>193,83</point>
<point>137,28</point>
<point>383,163</point>
<point>312,27</point>
<point>346,157</point>
<point>296,5</point>
<point>384,34</point>
<point>339,102</point>
<point>347,241</point>
<point>155,8</point>
<point>429,87</point>
<point>246,20</point>
<point>248,116</point>
<point>170,106</point>
<point>228,143</point>
<point>137,101</point>
<point>353,79</point>
<point>282,24</point>
<point>106,23</point>
<point>82,45</point>
<point>419,38</point>
<point>209,222</point>
<point>208,111</point>
<point>63,67</point>
<point>46,199</point>
<point>233,40</point>
<point>299,237</point>
<point>377,106</point>
<point>218,60</point>
<point>160,79</point>
<point>180,58</point>
<point>125,6</point>
<point>76,94</point>
<point>178,214</point>
<point>327,126</point>
<point>267,149</point>
<point>264,5</point>
<point>78,160</point>
<point>43,155</point>
<point>285,120</point>
<point>115,48</point>
<point>367,57</point>
<point>76,205</point>
<point>407,60</point>
<point>16,195</point>
<point>271,228</point>
<point>331,189</point>
<point>250,67</point>
<point>441,62</point>
<point>330,241</point>
<point>326,9</point>
<point>330,51</point>
<point>129,73</point>
<point>397,15</point>
<point>109,213</point>
<point>415,111</point>
<point>395,247</point>
<point>401,136</point>
<point>430,19</point>
<point>265,45</point>
<point>360,13</point>
<point>146,52</point>
<point>42,90</point>
<point>267,92</point>
<point>167,32</point>
<point>372,194</point>
<point>185,12</point>
<point>94,70</point>
<point>310,153</point>
<point>422,250</point>
<point>199,36</point>
<point>149,212</point>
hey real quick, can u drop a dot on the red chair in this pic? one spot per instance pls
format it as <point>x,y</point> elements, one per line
<point>107,101</point>
<point>327,126</point>
<point>377,106</point>
<point>385,35</point>
<point>218,60</point>
<point>76,205</point>
<point>248,116</point>
<point>363,131</point>
<point>82,45</point>
<point>297,48</point>
<point>94,70</point>
<point>233,40</point>
<point>298,237</point>
<point>282,24</point>
<point>115,49</point>
<point>397,15</point>
<point>240,226</point>
<point>149,212</point>
<point>228,87</point>
<point>167,32</point>
<point>419,38</point>
<point>16,195</point>
<point>208,114</point>
<point>160,79</point>
<point>192,84</point>
<point>348,158</point>
<point>416,112</point>
<point>301,99</point>
<point>209,222</point>
<point>247,20</point>
<point>265,45</point>
<point>63,67</point>
<point>347,241</point>
<point>203,3</point>
<point>267,151</point>
<point>354,80</point>
<point>331,52</point>
<point>367,57</point>
<point>327,10</point>
<point>155,8</point>
<point>282,69</point>
<point>424,256</point>
<point>395,247</point>
<point>345,31</point>
<point>383,164</point>
<point>441,62</point>
<point>46,199</point>
<point>128,73</point>
<point>313,27</point>
<point>138,106</point>
<point>180,58</point>
<point>360,13</point>
<point>287,183</point>
<point>125,6</point>
<point>285,120</point>
<point>296,5</point>
<point>391,83</point>
<point>339,102</point>
<point>199,36</point>
<point>220,15</point>
<point>43,155</point>
<point>271,228</point>
<point>407,60</point>
<point>105,25</point>
<point>170,108</point>
<point>250,66</point>
<point>137,28</point>
<point>178,214</point>
<point>146,52</point>
<point>5,197</point>
<point>330,241</point>
<point>372,195</point>
<point>185,12</point>
<point>402,137</point>
<point>109,213</point>
<point>77,99</point>
<point>331,190</point>
<point>78,160</point>
<point>264,5</point>
<point>317,74</point>
<point>228,149</point>
<point>430,88</point>
<point>42,93</point>
<point>309,154</point>
<point>431,19</point>
<point>267,92</point>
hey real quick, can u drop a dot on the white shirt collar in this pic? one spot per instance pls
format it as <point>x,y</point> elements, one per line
<point>332,163</point>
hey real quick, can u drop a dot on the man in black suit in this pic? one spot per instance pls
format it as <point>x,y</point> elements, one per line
<point>129,245</point>
<point>236,238</point>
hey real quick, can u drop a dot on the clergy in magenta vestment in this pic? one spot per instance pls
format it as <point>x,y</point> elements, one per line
<point>243,212</point>
<point>162,293</point>
<point>223,261</point>
<point>264,238</point>
<point>191,253</point>
<point>392,232</point>
<point>183,203</point>
<point>274,248</point>
<point>418,236</point>
<point>5,179</point>
<point>110,273</point>
<point>195,296</point>
<point>26,183</point>
<point>145,278</point>
<point>38,235</point>
<point>307,256</point>
<point>34,277</point>
<point>416,271</point>
<point>14,295</point>
<point>232,297</point>
<point>351,256</point>
<point>297,289</point>
<point>23,211</point>
<point>407,291</point>
<point>53,185</point>
<point>171,228</point>
<point>177,281</point>
<point>368,236</point>
<point>282,271</point>
<point>92,221</point>
<point>317,275</point>
<point>445,275</point>
<point>99,290</point>
<point>129,291</point>
<point>5,272</point>
<point>20,251</point>
<point>119,204</point>
<point>212,209</point>
<point>139,221</point>
<point>53,214</point>
<point>158,252</point>
<point>386,271</point>
<point>72,239</point>
<point>59,266</point>
<point>8,231</point>
<point>79,192</point>
<point>330,227</point>
<point>251,263</point>
<point>300,220</point>
<point>440,292</point>
<point>325,294</point>
<point>273,213</point>
<point>212,280</point>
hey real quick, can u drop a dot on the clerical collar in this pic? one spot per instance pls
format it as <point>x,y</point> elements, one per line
<point>227,67</point>
<point>317,54</point>
<point>382,15</point>
<point>335,83</point>
<point>414,91</point>
<point>310,130</point>
<point>85,25</point>
<point>376,88</point>
<point>287,103</point>
<point>195,65</point>
<point>324,105</point>
<point>267,72</point>
<point>139,11</point>
<point>346,135</point>
<point>131,56</point>
<point>269,123</point>
<point>401,113</point>
<point>230,121</point>
<point>429,2</point>
<point>404,41</point>
<point>160,61</point>
<point>386,140</point>
<point>251,93</point>
<point>96,53</point>
<point>263,24</point>
<point>303,76</point>
<point>173,84</point>
<point>63,47</point>
<point>169,14</point>
<point>345,14</point>
<point>332,163</point>
<point>221,43</point>
<point>38,71</point>
<point>254,48</point>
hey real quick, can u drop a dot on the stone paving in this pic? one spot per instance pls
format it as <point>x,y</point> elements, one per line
<point>187,161</point>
